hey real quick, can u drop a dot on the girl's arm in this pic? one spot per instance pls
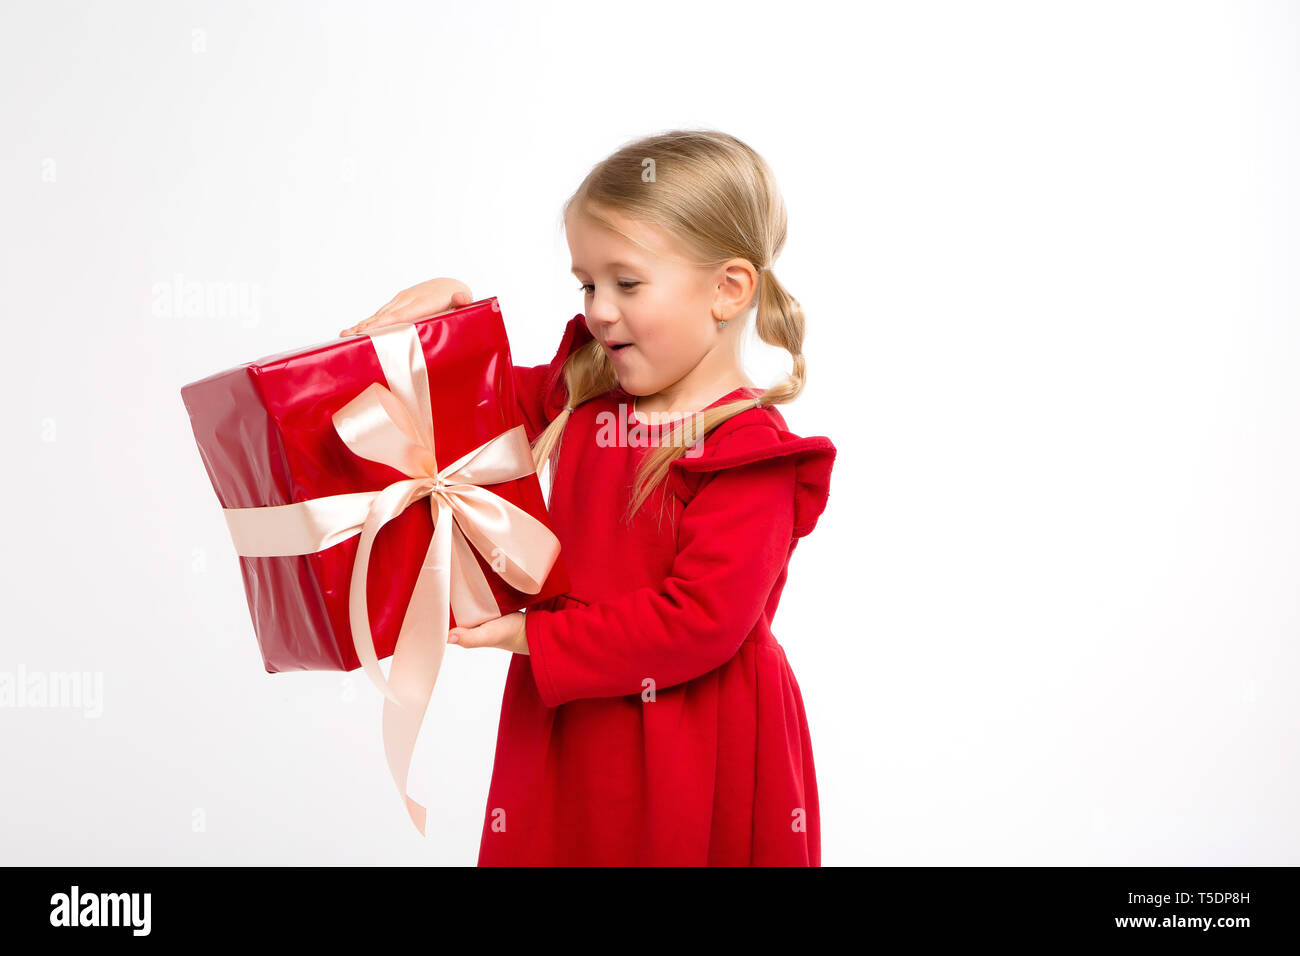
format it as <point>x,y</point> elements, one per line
<point>734,539</point>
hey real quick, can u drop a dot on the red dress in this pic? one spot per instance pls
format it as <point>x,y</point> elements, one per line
<point>655,719</point>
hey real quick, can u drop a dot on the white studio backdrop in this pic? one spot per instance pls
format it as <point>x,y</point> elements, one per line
<point>1047,253</point>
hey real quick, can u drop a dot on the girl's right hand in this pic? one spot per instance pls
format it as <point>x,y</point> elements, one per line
<point>418,302</point>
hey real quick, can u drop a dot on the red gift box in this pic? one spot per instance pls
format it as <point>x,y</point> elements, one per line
<point>303,426</point>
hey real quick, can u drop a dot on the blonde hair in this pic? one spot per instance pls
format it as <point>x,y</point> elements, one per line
<point>719,199</point>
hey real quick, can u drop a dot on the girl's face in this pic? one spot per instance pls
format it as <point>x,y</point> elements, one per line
<point>656,302</point>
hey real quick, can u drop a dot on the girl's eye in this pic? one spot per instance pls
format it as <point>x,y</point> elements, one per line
<point>628,284</point>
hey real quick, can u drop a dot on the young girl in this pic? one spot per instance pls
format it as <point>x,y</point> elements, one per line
<point>650,716</point>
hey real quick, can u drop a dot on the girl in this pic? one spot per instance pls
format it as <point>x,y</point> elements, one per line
<point>650,716</point>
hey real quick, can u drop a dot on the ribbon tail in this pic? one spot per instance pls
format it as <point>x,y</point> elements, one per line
<point>417,658</point>
<point>387,505</point>
<point>472,600</point>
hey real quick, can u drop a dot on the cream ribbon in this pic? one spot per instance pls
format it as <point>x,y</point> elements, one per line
<point>394,425</point>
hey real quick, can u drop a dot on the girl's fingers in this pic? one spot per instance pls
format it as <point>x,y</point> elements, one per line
<point>481,635</point>
<point>406,308</point>
<point>369,321</point>
<point>383,317</point>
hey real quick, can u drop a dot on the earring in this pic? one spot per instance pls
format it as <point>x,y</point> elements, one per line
<point>722,323</point>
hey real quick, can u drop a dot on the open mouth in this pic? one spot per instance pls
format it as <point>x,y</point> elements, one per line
<point>621,345</point>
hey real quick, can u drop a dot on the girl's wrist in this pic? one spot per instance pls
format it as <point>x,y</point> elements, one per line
<point>521,636</point>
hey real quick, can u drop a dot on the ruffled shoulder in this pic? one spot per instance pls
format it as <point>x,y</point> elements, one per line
<point>554,395</point>
<point>759,434</point>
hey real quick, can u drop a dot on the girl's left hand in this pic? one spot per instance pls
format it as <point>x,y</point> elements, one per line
<point>506,632</point>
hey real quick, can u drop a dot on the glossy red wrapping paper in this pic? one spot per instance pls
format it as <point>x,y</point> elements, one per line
<point>265,434</point>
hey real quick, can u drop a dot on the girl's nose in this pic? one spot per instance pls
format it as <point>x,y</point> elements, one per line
<point>601,321</point>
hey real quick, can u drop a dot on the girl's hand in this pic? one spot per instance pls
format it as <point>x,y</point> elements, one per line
<point>506,632</point>
<point>419,301</point>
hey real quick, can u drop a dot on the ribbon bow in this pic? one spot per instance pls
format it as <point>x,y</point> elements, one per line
<point>394,425</point>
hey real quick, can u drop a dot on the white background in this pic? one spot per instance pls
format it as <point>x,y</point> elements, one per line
<point>1048,257</point>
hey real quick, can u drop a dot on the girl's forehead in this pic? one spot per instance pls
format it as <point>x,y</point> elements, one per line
<point>606,264</point>
<point>602,249</point>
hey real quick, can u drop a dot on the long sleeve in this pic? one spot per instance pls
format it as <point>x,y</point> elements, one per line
<point>733,541</point>
<point>539,389</point>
